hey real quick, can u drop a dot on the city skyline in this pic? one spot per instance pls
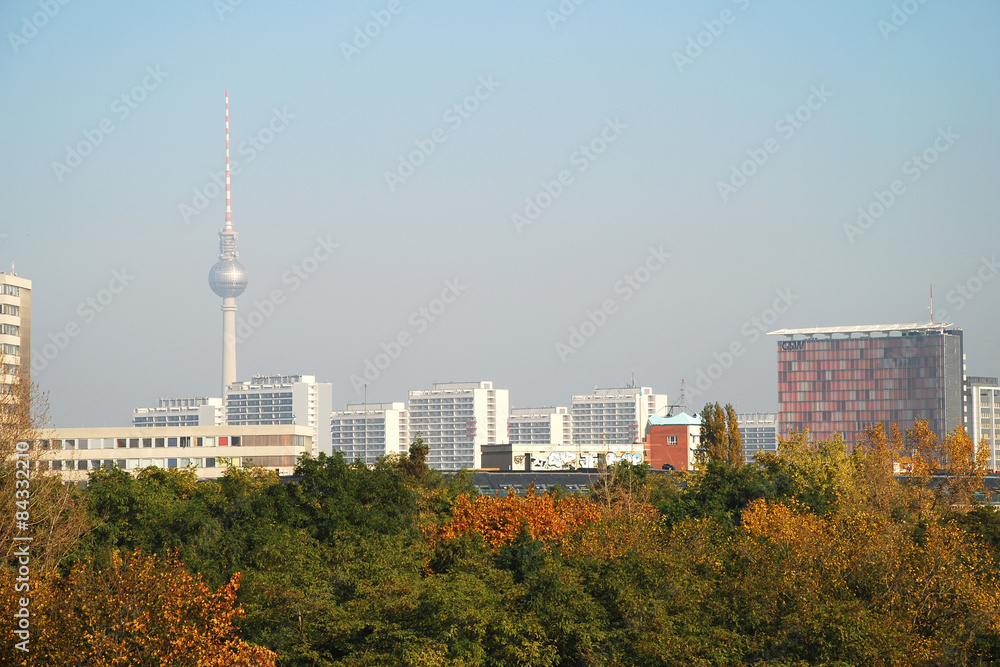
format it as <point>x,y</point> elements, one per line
<point>549,199</point>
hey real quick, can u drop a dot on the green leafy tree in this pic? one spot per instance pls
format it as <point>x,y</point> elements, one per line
<point>720,435</point>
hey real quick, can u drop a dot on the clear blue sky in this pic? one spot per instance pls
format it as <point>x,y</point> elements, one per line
<point>661,134</point>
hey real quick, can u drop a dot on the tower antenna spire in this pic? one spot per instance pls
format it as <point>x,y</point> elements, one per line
<point>228,279</point>
<point>932,303</point>
<point>229,209</point>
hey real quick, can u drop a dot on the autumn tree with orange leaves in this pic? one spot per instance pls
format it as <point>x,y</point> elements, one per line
<point>961,465</point>
<point>501,519</point>
<point>141,610</point>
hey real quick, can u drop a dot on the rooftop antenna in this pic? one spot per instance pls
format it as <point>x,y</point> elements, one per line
<point>932,303</point>
<point>681,403</point>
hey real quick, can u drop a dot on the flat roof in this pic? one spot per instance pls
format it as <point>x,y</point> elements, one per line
<point>864,329</point>
<point>680,419</point>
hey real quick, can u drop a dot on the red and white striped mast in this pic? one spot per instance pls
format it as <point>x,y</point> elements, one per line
<point>229,209</point>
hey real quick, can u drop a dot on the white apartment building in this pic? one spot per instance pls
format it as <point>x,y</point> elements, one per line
<point>983,416</point>
<point>615,416</point>
<point>760,433</point>
<point>540,426</point>
<point>209,450</point>
<point>15,328</point>
<point>455,419</point>
<point>180,412</point>
<point>370,430</point>
<point>283,399</point>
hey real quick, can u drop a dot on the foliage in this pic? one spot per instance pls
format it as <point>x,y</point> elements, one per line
<point>58,518</point>
<point>721,440</point>
<point>812,555</point>
<point>500,520</point>
<point>138,610</point>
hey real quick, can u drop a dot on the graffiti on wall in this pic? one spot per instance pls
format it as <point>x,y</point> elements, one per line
<point>567,460</point>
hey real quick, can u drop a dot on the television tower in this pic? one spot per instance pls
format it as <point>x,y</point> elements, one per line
<point>228,279</point>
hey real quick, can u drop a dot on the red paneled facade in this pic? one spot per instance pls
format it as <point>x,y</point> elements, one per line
<point>842,384</point>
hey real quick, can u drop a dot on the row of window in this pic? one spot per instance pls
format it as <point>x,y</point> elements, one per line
<point>282,394</point>
<point>10,329</point>
<point>9,309</point>
<point>10,290</point>
<point>138,443</point>
<point>197,462</point>
<point>133,464</point>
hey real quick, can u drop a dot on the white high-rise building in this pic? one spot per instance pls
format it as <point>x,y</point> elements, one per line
<point>540,426</point>
<point>283,399</point>
<point>759,431</point>
<point>615,416</point>
<point>368,431</point>
<point>15,328</point>
<point>455,419</point>
<point>180,412</point>
<point>983,416</point>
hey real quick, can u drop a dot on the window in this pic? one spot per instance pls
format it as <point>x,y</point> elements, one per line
<point>671,439</point>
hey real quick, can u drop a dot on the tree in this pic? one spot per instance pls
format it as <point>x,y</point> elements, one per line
<point>876,459</point>
<point>956,460</point>
<point>734,439</point>
<point>140,610</point>
<point>720,435</point>
<point>415,465</point>
<point>57,518</point>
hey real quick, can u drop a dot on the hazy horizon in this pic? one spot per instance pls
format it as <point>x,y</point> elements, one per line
<point>551,196</point>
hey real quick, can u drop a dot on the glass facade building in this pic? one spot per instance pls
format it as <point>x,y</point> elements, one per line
<point>843,379</point>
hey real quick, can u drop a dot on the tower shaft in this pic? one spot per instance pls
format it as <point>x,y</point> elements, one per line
<point>228,343</point>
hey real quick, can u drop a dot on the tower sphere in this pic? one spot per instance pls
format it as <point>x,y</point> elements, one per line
<point>228,278</point>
